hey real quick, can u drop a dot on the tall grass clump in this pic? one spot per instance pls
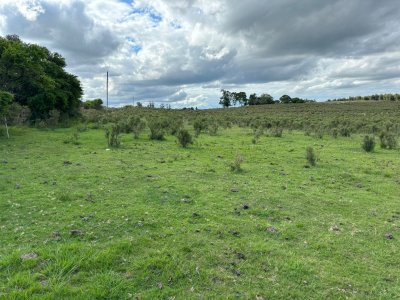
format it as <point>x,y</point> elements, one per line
<point>184,138</point>
<point>236,164</point>
<point>368,143</point>
<point>157,131</point>
<point>112,135</point>
<point>310,156</point>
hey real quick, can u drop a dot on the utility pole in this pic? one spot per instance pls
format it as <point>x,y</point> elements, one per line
<point>107,89</point>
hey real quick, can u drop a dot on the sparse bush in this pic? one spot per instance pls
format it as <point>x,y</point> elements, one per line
<point>345,131</point>
<point>136,126</point>
<point>74,139</point>
<point>257,133</point>
<point>157,130</point>
<point>310,156</point>
<point>112,136</point>
<point>387,140</point>
<point>335,133</point>
<point>200,125</point>
<point>184,138</point>
<point>236,165</point>
<point>368,143</point>
<point>277,131</point>
<point>212,127</point>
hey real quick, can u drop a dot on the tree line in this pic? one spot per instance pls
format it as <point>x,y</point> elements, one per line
<point>233,98</point>
<point>376,97</point>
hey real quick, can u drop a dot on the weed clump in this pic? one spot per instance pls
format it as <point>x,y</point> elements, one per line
<point>387,140</point>
<point>310,156</point>
<point>137,125</point>
<point>368,143</point>
<point>112,136</point>
<point>236,165</point>
<point>200,125</point>
<point>156,130</point>
<point>184,138</point>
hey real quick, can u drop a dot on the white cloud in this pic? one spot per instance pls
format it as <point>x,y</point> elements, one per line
<point>184,51</point>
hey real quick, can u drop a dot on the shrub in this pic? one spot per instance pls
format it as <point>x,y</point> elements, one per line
<point>213,127</point>
<point>335,133</point>
<point>112,135</point>
<point>200,125</point>
<point>236,165</point>
<point>156,130</point>
<point>74,139</point>
<point>388,140</point>
<point>277,131</point>
<point>136,126</point>
<point>184,138</point>
<point>345,131</point>
<point>310,156</point>
<point>257,133</point>
<point>368,143</point>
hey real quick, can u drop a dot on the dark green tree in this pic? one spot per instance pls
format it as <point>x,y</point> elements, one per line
<point>285,99</point>
<point>5,101</point>
<point>226,98</point>
<point>36,77</point>
<point>93,104</point>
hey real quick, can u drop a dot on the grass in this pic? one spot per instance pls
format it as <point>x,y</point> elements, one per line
<point>152,220</point>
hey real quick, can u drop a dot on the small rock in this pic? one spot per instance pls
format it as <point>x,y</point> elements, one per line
<point>334,228</point>
<point>67,163</point>
<point>246,206</point>
<point>29,256</point>
<point>75,232</point>
<point>234,190</point>
<point>389,236</point>
<point>160,285</point>
<point>56,234</point>
<point>271,229</point>
<point>17,186</point>
<point>237,272</point>
<point>195,215</point>
<point>4,162</point>
<point>84,218</point>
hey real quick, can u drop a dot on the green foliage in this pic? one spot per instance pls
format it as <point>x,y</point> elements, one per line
<point>112,135</point>
<point>212,127</point>
<point>200,125</point>
<point>310,156</point>
<point>368,143</point>
<point>18,114</point>
<point>157,129</point>
<point>236,164</point>
<point>37,78</point>
<point>387,140</point>
<point>73,139</point>
<point>6,100</point>
<point>226,98</point>
<point>93,104</point>
<point>184,138</point>
<point>136,125</point>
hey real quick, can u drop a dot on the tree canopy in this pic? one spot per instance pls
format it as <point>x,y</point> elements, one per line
<point>37,79</point>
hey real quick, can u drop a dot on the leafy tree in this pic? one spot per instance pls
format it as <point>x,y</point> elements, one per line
<point>252,99</point>
<point>265,99</point>
<point>93,104</point>
<point>226,98</point>
<point>37,78</point>
<point>240,98</point>
<point>285,99</point>
<point>5,101</point>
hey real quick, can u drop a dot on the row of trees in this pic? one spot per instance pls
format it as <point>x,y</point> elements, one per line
<point>35,77</point>
<point>376,97</point>
<point>233,98</point>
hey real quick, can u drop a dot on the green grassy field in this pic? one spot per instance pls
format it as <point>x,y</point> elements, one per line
<point>152,220</point>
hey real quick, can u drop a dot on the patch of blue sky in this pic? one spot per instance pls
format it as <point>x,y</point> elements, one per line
<point>175,25</point>
<point>135,47</point>
<point>149,11</point>
<point>127,1</point>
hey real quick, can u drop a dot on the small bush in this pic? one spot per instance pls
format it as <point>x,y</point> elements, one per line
<point>112,135</point>
<point>368,143</point>
<point>184,138</point>
<point>345,131</point>
<point>213,128</point>
<point>335,133</point>
<point>200,125</point>
<point>74,139</point>
<point>156,130</point>
<point>236,165</point>
<point>277,132</point>
<point>257,133</point>
<point>387,140</point>
<point>53,119</point>
<point>136,126</point>
<point>310,156</point>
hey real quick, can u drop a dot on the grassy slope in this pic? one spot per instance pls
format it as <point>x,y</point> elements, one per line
<point>164,221</point>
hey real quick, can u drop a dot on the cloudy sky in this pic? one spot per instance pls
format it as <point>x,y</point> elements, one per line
<point>182,52</point>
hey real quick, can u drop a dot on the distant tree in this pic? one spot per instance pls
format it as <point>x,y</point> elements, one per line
<point>226,98</point>
<point>93,104</point>
<point>239,97</point>
<point>252,99</point>
<point>298,100</point>
<point>285,99</point>
<point>139,104</point>
<point>266,99</point>
<point>5,101</point>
